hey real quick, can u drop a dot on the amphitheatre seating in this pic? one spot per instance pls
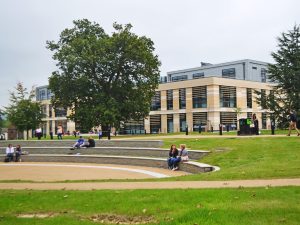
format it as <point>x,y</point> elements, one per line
<point>110,152</point>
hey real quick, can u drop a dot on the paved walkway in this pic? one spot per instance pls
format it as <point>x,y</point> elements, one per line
<point>59,172</point>
<point>152,185</point>
<point>141,137</point>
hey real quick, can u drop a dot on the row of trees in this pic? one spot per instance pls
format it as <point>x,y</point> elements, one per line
<point>106,78</point>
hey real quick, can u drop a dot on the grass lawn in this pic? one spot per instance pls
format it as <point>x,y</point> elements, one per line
<point>246,158</point>
<point>253,206</point>
<point>216,133</point>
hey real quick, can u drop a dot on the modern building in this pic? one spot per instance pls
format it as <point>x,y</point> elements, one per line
<point>197,98</point>
<point>53,118</point>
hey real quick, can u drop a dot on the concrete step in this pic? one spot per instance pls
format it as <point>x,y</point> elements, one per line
<point>124,151</point>
<point>190,166</point>
<point>68,143</point>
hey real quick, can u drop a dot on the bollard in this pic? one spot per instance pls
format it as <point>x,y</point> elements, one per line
<point>273,127</point>
<point>220,129</point>
<point>186,130</point>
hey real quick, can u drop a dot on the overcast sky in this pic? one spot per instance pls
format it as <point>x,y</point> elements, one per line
<point>185,32</point>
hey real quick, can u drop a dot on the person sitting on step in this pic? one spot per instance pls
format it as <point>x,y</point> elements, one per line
<point>183,156</point>
<point>79,143</point>
<point>90,143</point>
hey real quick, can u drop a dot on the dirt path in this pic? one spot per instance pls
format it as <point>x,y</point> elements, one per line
<point>152,185</point>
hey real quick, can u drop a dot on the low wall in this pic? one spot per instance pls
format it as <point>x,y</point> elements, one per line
<point>190,167</point>
<point>100,143</point>
<point>124,151</point>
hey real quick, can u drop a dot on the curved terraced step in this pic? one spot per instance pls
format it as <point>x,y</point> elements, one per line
<point>190,166</point>
<point>68,143</point>
<point>124,151</point>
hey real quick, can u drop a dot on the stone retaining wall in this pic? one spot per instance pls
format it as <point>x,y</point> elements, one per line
<point>137,161</point>
<point>125,151</point>
<point>68,143</point>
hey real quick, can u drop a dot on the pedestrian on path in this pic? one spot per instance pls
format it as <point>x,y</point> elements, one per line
<point>293,123</point>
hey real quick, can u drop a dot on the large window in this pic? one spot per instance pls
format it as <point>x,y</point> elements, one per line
<point>182,122</point>
<point>179,78</point>
<point>133,127</point>
<point>198,75</point>
<point>170,123</point>
<point>169,99</point>
<point>155,101</point>
<point>199,95</point>
<point>263,99</point>
<point>249,98</point>
<point>155,124</point>
<point>228,73</point>
<point>182,98</point>
<point>249,114</point>
<point>264,120</point>
<point>199,120</point>
<point>50,111</point>
<point>227,96</point>
<point>44,111</point>
<point>60,112</point>
<point>229,119</point>
<point>263,74</point>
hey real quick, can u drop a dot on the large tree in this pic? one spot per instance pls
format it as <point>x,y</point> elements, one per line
<point>285,73</point>
<point>103,78</point>
<point>23,112</point>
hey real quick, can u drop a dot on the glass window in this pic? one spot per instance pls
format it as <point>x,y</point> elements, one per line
<point>264,120</point>
<point>169,99</point>
<point>155,102</point>
<point>199,120</point>
<point>263,74</point>
<point>182,98</point>
<point>179,78</point>
<point>60,112</point>
<point>170,123</point>
<point>199,95</point>
<point>198,75</point>
<point>155,124</point>
<point>227,96</point>
<point>228,73</point>
<point>263,99</point>
<point>249,98</point>
<point>133,127</point>
<point>229,119</point>
<point>182,121</point>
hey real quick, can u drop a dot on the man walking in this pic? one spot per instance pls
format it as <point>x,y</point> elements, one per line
<point>293,123</point>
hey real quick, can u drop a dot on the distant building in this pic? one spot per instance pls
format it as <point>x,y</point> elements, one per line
<point>202,97</point>
<point>53,118</point>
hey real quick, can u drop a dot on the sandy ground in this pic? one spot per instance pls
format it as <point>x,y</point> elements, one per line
<point>47,172</point>
<point>72,171</point>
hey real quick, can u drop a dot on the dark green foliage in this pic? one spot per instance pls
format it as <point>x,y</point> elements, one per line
<point>104,79</point>
<point>285,72</point>
<point>23,112</point>
<point>1,120</point>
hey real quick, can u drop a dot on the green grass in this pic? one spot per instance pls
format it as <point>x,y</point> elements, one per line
<point>253,206</point>
<point>246,158</point>
<point>216,133</point>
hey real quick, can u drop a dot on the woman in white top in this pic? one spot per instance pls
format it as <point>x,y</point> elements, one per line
<point>10,152</point>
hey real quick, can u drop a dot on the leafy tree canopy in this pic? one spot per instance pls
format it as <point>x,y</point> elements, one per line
<point>285,73</point>
<point>23,112</point>
<point>103,78</point>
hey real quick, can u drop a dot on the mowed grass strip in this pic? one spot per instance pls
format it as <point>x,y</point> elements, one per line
<point>206,207</point>
<point>246,158</point>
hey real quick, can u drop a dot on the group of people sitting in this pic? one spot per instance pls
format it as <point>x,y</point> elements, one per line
<point>81,143</point>
<point>176,156</point>
<point>13,153</point>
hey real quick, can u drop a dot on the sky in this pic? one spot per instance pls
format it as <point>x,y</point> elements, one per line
<point>185,32</point>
